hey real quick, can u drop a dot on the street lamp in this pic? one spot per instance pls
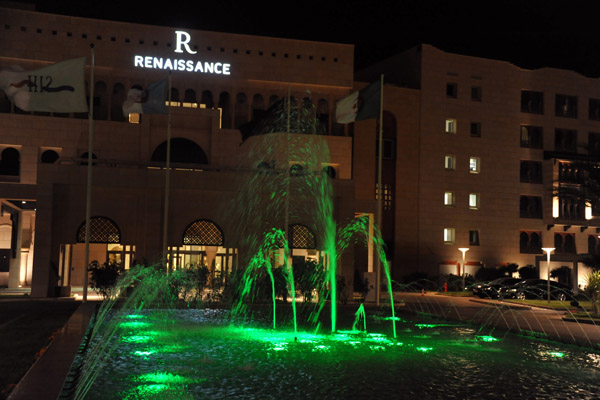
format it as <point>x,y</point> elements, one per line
<point>548,250</point>
<point>463,250</point>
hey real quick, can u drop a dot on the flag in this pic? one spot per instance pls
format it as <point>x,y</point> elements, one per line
<point>360,105</point>
<point>57,88</point>
<point>149,101</point>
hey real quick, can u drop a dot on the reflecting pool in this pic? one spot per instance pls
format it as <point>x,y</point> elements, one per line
<point>200,354</point>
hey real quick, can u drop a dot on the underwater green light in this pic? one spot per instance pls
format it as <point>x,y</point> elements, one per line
<point>134,316</point>
<point>134,324</point>
<point>486,338</point>
<point>136,339</point>
<point>160,377</point>
<point>425,349</point>
<point>145,353</point>
<point>557,354</point>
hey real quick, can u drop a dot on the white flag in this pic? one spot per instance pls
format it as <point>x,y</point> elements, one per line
<point>57,88</point>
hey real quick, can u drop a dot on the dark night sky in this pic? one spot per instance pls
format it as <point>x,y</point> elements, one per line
<point>528,33</point>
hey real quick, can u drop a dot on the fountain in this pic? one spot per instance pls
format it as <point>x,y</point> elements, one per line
<point>143,344</point>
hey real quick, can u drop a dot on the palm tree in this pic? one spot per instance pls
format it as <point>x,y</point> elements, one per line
<point>593,287</point>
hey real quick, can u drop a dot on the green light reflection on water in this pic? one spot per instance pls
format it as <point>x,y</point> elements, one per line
<point>136,339</point>
<point>160,377</point>
<point>425,349</point>
<point>486,338</point>
<point>134,316</point>
<point>134,324</point>
<point>557,354</point>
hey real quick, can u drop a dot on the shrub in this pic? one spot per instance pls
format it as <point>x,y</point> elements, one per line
<point>528,272</point>
<point>103,277</point>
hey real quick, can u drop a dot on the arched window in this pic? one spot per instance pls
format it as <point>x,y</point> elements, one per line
<point>190,96</point>
<point>296,170</point>
<point>182,151</point>
<point>102,230</point>
<point>301,237</point>
<point>49,157</point>
<point>203,232</point>
<point>174,94</point>
<point>258,107</point>
<point>100,101</point>
<point>225,106</point>
<point>116,103</point>
<point>84,115</point>
<point>10,162</point>
<point>329,171</point>
<point>241,110</point>
<point>84,156</point>
<point>273,99</point>
<point>207,99</point>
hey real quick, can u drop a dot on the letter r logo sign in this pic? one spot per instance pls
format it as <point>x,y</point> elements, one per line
<point>183,38</point>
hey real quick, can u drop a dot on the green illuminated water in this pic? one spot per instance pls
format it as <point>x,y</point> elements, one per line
<point>199,354</point>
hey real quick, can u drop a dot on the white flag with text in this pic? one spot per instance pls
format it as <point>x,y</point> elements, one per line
<point>57,88</point>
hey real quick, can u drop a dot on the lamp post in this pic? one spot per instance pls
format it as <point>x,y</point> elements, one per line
<point>548,250</point>
<point>463,250</point>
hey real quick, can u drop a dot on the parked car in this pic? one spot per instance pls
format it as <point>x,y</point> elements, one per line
<point>491,290</point>
<point>538,289</point>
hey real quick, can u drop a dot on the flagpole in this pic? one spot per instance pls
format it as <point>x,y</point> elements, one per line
<point>167,182</point>
<point>380,190</point>
<point>88,204</point>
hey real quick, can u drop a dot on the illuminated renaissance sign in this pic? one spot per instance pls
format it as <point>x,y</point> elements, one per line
<point>180,64</point>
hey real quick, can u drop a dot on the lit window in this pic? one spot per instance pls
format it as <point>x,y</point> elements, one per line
<point>474,201</point>
<point>134,118</point>
<point>448,198</point>
<point>387,196</point>
<point>450,125</point>
<point>449,162</point>
<point>474,165</point>
<point>449,235</point>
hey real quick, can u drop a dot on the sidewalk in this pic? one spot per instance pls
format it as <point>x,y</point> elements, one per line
<point>45,378</point>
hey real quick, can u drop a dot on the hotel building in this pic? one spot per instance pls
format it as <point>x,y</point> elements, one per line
<point>471,151</point>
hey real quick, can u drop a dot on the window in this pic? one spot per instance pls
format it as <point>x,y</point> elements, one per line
<point>449,198</point>
<point>474,201</point>
<point>450,125</point>
<point>452,90</point>
<point>531,136</point>
<point>449,162</point>
<point>530,207</point>
<point>389,150</point>
<point>532,102</point>
<point>565,140</point>
<point>593,245</point>
<point>594,143</point>
<point>474,165</point>
<point>475,129</point>
<point>449,235</point>
<point>565,106</point>
<point>594,111</point>
<point>530,242</point>
<point>473,237</point>
<point>564,243</point>
<point>476,93</point>
<point>387,196</point>
<point>531,172</point>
